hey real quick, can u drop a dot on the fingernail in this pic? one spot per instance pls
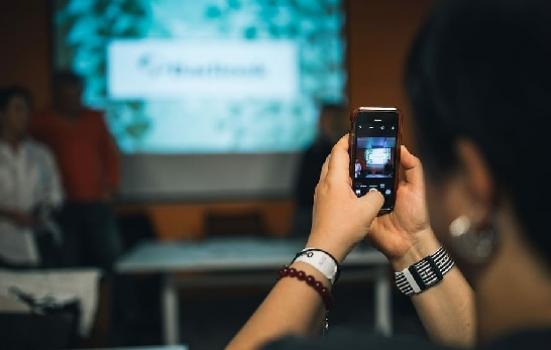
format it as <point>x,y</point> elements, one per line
<point>373,190</point>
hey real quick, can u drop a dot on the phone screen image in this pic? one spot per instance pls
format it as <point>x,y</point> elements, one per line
<point>375,157</point>
<point>375,154</point>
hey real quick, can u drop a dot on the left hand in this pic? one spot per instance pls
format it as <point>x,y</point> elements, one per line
<point>340,219</point>
<point>405,235</point>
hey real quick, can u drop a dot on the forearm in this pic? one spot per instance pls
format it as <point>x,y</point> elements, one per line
<point>291,307</point>
<point>446,310</point>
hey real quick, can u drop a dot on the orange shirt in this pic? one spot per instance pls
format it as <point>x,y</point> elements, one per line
<point>86,154</point>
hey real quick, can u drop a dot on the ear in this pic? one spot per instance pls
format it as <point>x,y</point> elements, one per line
<point>477,179</point>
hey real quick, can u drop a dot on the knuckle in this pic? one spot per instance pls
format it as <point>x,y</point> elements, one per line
<point>316,190</point>
<point>417,161</point>
<point>331,182</point>
<point>319,189</point>
<point>334,150</point>
<point>324,187</point>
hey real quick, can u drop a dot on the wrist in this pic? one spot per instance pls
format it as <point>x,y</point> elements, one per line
<point>424,274</point>
<point>310,270</point>
<point>334,248</point>
<point>425,244</point>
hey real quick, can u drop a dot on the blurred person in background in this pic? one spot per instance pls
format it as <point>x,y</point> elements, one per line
<point>29,188</point>
<point>332,124</point>
<point>479,81</point>
<point>89,165</point>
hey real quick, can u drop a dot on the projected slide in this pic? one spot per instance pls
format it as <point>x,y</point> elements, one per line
<point>374,158</point>
<point>206,76</point>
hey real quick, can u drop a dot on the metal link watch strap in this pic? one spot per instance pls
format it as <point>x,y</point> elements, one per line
<point>425,273</point>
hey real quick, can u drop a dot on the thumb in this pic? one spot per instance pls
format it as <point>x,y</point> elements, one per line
<point>371,203</point>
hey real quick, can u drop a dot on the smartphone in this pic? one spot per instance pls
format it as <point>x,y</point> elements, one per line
<point>375,135</point>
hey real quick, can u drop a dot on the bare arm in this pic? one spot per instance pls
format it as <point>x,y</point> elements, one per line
<point>447,310</point>
<point>293,307</point>
<point>405,237</point>
<point>340,221</point>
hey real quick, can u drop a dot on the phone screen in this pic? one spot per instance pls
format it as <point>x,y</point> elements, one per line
<point>375,153</point>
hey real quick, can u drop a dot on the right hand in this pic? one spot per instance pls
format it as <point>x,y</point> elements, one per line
<point>404,235</point>
<point>340,219</point>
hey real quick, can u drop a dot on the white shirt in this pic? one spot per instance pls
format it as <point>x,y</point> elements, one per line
<point>28,178</point>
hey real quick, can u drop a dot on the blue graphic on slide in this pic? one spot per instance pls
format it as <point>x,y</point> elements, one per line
<point>206,76</point>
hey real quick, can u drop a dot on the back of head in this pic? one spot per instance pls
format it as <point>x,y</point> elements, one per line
<point>481,70</point>
<point>67,91</point>
<point>15,105</point>
<point>9,92</point>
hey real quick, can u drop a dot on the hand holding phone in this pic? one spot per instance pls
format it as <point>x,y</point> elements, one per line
<point>374,152</point>
<point>340,219</point>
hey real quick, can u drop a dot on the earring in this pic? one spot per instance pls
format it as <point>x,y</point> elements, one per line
<point>475,246</point>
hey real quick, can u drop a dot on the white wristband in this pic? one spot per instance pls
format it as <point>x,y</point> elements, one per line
<point>321,261</point>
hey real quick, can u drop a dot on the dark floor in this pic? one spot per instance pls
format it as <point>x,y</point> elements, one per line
<point>210,317</point>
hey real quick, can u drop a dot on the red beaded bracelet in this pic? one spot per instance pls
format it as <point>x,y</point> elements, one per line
<point>324,292</point>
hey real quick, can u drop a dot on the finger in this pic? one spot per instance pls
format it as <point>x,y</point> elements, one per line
<point>339,162</point>
<point>325,168</point>
<point>371,203</point>
<point>413,170</point>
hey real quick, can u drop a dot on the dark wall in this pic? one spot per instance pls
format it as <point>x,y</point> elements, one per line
<point>26,45</point>
<point>379,35</point>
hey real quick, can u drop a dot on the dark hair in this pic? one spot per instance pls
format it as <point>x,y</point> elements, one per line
<point>480,70</point>
<point>9,92</point>
<point>67,77</point>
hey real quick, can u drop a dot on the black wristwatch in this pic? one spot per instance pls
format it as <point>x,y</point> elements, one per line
<point>425,273</point>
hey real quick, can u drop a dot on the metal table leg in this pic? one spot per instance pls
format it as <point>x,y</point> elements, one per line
<point>170,311</point>
<point>383,302</point>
